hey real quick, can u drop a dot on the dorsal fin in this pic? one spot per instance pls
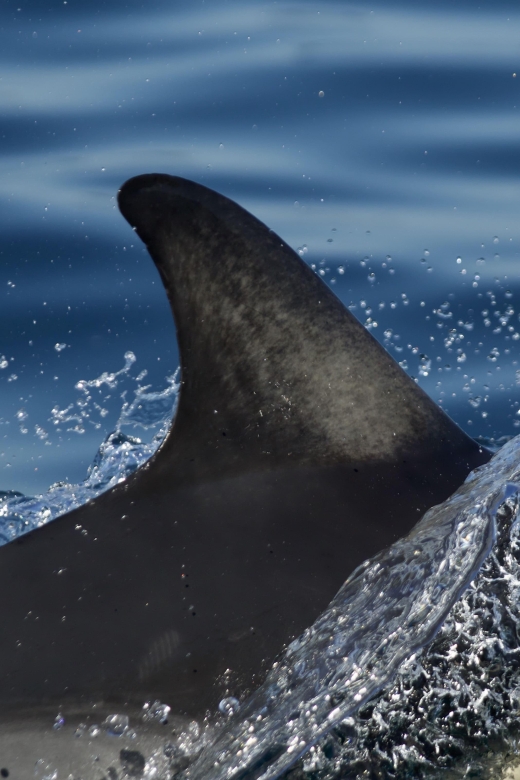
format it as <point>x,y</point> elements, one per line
<point>274,367</point>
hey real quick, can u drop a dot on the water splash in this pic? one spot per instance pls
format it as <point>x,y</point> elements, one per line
<point>389,609</point>
<point>118,456</point>
<point>454,706</point>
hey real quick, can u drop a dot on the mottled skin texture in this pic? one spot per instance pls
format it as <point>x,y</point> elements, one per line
<point>291,368</point>
<point>299,449</point>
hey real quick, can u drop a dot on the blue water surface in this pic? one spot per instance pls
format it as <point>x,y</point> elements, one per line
<point>379,139</point>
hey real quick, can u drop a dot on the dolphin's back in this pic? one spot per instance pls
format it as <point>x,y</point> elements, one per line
<point>299,449</point>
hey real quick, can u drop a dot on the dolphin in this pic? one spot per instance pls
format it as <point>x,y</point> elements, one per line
<point>298,450</point>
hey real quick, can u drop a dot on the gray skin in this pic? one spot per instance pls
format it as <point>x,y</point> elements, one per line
<point>299,449</point>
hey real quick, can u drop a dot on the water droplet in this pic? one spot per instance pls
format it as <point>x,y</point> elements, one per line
<point>371,277</point>
<point>59,722</point>
<point>496,240</point>
<point>321,93</point>
<point>116,725</point>
<point>94,731</point>
<point>156,711</point>
<point>341,270</point>
<point>229,706</point>
<point>172,750</point>
<point>45,771</point>
<point>426,253</point>
<point>59,347</point>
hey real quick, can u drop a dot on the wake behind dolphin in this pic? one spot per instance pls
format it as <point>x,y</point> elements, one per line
<point>299,449</point>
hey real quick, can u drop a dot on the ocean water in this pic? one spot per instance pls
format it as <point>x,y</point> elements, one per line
<point>379,139</point>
